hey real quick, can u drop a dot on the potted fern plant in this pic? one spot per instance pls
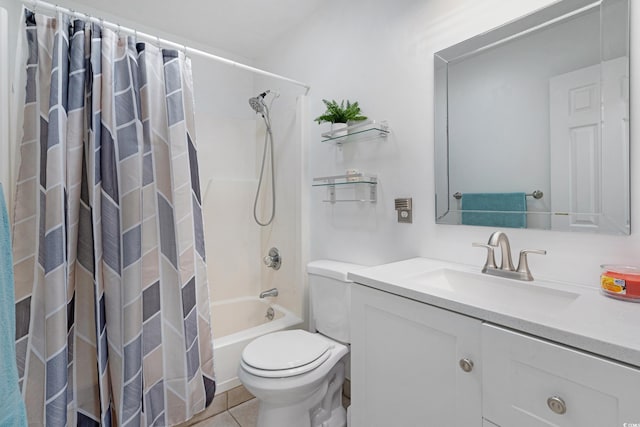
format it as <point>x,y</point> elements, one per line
<point>340,115</point>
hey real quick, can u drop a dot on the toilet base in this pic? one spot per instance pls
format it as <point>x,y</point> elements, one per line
<point>323,408</point>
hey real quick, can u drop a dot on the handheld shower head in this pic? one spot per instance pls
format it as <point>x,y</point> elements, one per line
<point>257,103</point>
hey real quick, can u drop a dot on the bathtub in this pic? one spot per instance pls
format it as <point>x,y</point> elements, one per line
<point>236,322</point>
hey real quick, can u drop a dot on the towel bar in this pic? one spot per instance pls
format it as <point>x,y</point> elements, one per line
<point>537,194</point>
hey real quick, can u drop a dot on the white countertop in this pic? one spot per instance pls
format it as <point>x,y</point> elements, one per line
<point>591,322</point>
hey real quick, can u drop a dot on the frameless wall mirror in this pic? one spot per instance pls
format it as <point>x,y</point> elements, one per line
<point>532,122</point>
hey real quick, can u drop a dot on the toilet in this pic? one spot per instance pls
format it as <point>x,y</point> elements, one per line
<point>296,375</point>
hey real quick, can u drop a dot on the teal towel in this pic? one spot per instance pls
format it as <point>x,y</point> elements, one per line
<point>12,412</point>
<point>495,209</point>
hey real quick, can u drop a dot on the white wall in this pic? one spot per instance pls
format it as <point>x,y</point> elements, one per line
<point>380,53</point>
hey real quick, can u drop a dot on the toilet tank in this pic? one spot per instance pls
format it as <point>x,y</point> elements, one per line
<point>330,296</point>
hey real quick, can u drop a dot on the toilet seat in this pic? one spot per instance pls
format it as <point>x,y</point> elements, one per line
<point>285,373</point>
<point>285,354</point>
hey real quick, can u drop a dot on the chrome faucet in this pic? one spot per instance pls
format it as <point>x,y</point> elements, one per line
<point>273,292</point>
<point>506,269</point>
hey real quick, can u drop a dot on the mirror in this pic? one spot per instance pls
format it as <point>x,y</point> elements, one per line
<point>532,122</point>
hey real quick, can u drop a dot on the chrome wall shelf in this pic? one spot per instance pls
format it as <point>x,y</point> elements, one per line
<point>359,187</point>
<point>358,131</point>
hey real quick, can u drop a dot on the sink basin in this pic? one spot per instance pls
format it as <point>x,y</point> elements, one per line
<point>499,291</point>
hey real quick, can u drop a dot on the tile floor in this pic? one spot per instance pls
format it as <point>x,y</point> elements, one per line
<point>243,415</point>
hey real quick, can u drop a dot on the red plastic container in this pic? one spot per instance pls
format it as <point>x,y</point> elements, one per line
<point>621,281</point>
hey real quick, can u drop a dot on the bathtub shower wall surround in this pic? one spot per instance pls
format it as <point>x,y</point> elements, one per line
<point>227,178</point>
<point>232,151</point>
<point>406,33</point>
<point>287,232</point>
<point>234,135</point>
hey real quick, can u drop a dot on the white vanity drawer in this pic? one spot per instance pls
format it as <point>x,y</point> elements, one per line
<point>531,382</point>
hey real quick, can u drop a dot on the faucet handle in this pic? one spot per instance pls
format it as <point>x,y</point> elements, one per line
<point>491,259</point>
<point>523,265</point>
<point>273,259</point>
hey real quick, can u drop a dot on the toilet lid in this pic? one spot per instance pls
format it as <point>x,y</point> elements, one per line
<point>285,373</point>
<point>284,350</point>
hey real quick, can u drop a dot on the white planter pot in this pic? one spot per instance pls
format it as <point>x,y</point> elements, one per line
<point>338,129</point>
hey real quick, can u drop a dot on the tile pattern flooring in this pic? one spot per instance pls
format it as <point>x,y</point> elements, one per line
<point>238,408</point>
<point>243,415</point>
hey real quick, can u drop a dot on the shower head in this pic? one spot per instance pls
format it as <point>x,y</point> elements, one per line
<point>257,103</point>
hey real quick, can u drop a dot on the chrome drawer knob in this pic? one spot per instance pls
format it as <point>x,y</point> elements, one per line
<point>557,405</point>
<point>466,365</point>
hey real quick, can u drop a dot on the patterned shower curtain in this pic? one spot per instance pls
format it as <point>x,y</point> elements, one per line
<point>112,308</point>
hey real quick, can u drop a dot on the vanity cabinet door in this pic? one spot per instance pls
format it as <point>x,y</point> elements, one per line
<point>531,382</point>
<point>406,363</point>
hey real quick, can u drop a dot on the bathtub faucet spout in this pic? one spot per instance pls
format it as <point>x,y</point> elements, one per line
<point>273,292</point>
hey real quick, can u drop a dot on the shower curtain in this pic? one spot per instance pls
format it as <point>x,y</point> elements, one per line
<point>112,306</point>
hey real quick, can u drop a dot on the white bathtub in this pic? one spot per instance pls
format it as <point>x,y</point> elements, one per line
<point>236,322</point>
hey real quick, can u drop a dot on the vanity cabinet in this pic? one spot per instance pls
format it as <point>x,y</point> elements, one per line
<point>412,364</point>
<point>531,382</point>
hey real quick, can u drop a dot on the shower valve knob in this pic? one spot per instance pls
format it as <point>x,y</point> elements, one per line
<point>268,261</point>
<point>273,260</point>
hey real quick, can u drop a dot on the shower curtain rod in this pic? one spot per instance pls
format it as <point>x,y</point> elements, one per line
<point>37,4</point>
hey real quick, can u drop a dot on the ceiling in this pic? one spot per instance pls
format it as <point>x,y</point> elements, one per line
<point>243,27</point>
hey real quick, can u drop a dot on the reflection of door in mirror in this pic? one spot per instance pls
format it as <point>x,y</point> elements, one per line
<point>615,145</point>
<point>589,165</point>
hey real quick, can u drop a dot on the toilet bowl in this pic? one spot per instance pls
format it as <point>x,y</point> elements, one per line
<point>296,375</point>
<point>298,379</point>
